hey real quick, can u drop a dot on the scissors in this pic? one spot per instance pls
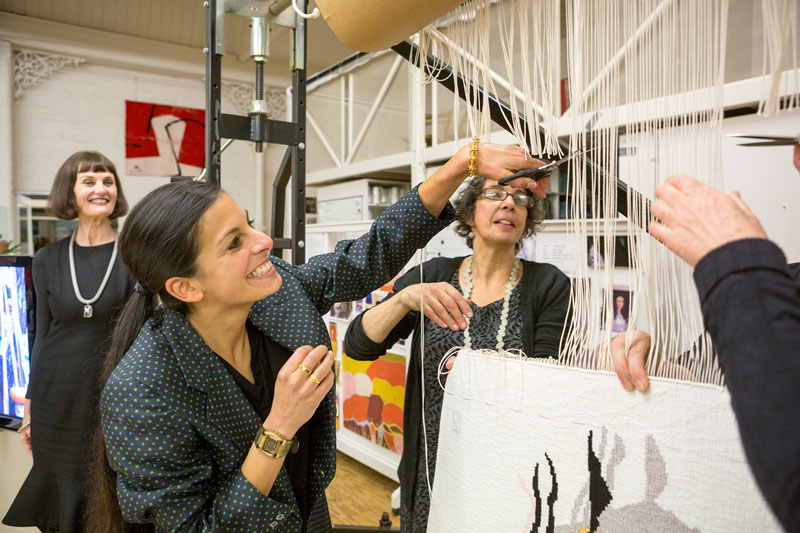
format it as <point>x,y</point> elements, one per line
<point>767,140</point>
<point>541,172</point>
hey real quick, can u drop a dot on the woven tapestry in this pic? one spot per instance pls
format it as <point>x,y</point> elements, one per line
<point>532,447</point>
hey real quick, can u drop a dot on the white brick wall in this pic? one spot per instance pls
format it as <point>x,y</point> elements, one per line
<point>84,108</point>
<point>6,185</point>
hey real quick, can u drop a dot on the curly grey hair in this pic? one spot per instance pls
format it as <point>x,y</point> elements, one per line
<point>465,211</point>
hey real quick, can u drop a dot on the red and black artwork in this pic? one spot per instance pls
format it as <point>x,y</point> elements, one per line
<point>163,140</point>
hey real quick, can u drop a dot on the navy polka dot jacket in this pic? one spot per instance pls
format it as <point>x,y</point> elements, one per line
<point>177,427</point>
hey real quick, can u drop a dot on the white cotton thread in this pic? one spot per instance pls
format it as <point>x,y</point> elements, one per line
<point>780,56</point>
<point>422,368</point>
<point>651,70</point>
<point>673,120</point>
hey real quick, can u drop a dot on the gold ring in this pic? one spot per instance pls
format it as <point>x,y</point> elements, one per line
<point>304,368</point>
<point>314,379</point>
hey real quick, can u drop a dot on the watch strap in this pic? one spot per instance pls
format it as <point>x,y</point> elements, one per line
<point>273,443</point>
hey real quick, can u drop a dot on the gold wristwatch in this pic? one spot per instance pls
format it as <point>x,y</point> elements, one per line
<point>274,444</point>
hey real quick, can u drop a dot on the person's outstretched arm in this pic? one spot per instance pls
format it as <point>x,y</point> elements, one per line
<point>357,267</point>
<point>751,308</point>
<point>494,161</point>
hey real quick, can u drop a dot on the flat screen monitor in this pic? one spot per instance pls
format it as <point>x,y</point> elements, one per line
<point>17,329</point>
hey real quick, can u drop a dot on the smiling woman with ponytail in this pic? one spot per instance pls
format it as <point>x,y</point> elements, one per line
<point>217,414</point>
<point>171,230</point>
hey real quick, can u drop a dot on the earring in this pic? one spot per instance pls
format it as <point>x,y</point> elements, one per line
<point>470,235</point>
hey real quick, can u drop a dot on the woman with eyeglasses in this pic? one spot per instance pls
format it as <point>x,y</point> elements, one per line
<point>488,300</point>
<point>217,414</point>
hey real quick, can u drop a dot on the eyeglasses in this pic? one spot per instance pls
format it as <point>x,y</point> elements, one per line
<point>499,194</point>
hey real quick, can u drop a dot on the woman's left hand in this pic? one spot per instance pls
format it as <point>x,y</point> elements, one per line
<point>497,161</point>
<point>629,366</point>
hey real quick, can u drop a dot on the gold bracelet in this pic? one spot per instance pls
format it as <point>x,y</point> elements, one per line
<point>472,161</point>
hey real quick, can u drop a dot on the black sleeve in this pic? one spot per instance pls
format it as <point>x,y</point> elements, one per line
<point>751,308</point>
<point>43,316</point>
<point>359,346</point>
<point>551,313</point>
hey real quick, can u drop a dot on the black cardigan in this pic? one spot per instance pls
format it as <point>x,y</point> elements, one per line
<point>545,299</point>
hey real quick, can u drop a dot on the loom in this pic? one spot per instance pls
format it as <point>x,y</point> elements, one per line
<point>258,127</point>
<point>652,70</point>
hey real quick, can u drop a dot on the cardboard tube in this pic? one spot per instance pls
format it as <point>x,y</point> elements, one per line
<point>373,25</point>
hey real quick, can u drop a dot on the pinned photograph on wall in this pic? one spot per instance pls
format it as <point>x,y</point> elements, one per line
<point>621,304</point>
<point>342,310</point>
<point>16,335</point>
<point>596,251</point>
<point>358,306</point>
<point>621,298</point>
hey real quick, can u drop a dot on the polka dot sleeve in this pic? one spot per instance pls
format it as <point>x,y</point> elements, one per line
<point>357,267</point>
<point>166,475</point>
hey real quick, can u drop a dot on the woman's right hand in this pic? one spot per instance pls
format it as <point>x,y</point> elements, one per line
<point>496,161</point>
<point>443,304</point>
<point>25,434</point>
<point>296,396</point>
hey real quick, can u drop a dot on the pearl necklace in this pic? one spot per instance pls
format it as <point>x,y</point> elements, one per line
<point>87,304</point>
<point>512,280</point>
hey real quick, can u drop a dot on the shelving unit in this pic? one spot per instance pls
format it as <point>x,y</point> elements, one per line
<point>357,200</point>
<point>322,238</point>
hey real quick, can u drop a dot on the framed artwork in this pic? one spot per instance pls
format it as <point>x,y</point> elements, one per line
<point>621,298</point>
<point>373,394</point>
<point>595,247</point>
<point>163,140</point>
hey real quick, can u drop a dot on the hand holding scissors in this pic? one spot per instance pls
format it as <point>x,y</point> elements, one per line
<point>538,173</point>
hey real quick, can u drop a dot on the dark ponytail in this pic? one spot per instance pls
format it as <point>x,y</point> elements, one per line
<point>158,241</point>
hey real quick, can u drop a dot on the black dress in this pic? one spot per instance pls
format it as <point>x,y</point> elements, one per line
<point>63,389</point>
<point>751,307</point>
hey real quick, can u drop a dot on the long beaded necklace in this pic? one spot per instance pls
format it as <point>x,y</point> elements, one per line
<point>87,304</point>
<point>512,280</point>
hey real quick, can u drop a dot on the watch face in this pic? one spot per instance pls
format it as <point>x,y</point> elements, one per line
<point>271,444</point>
